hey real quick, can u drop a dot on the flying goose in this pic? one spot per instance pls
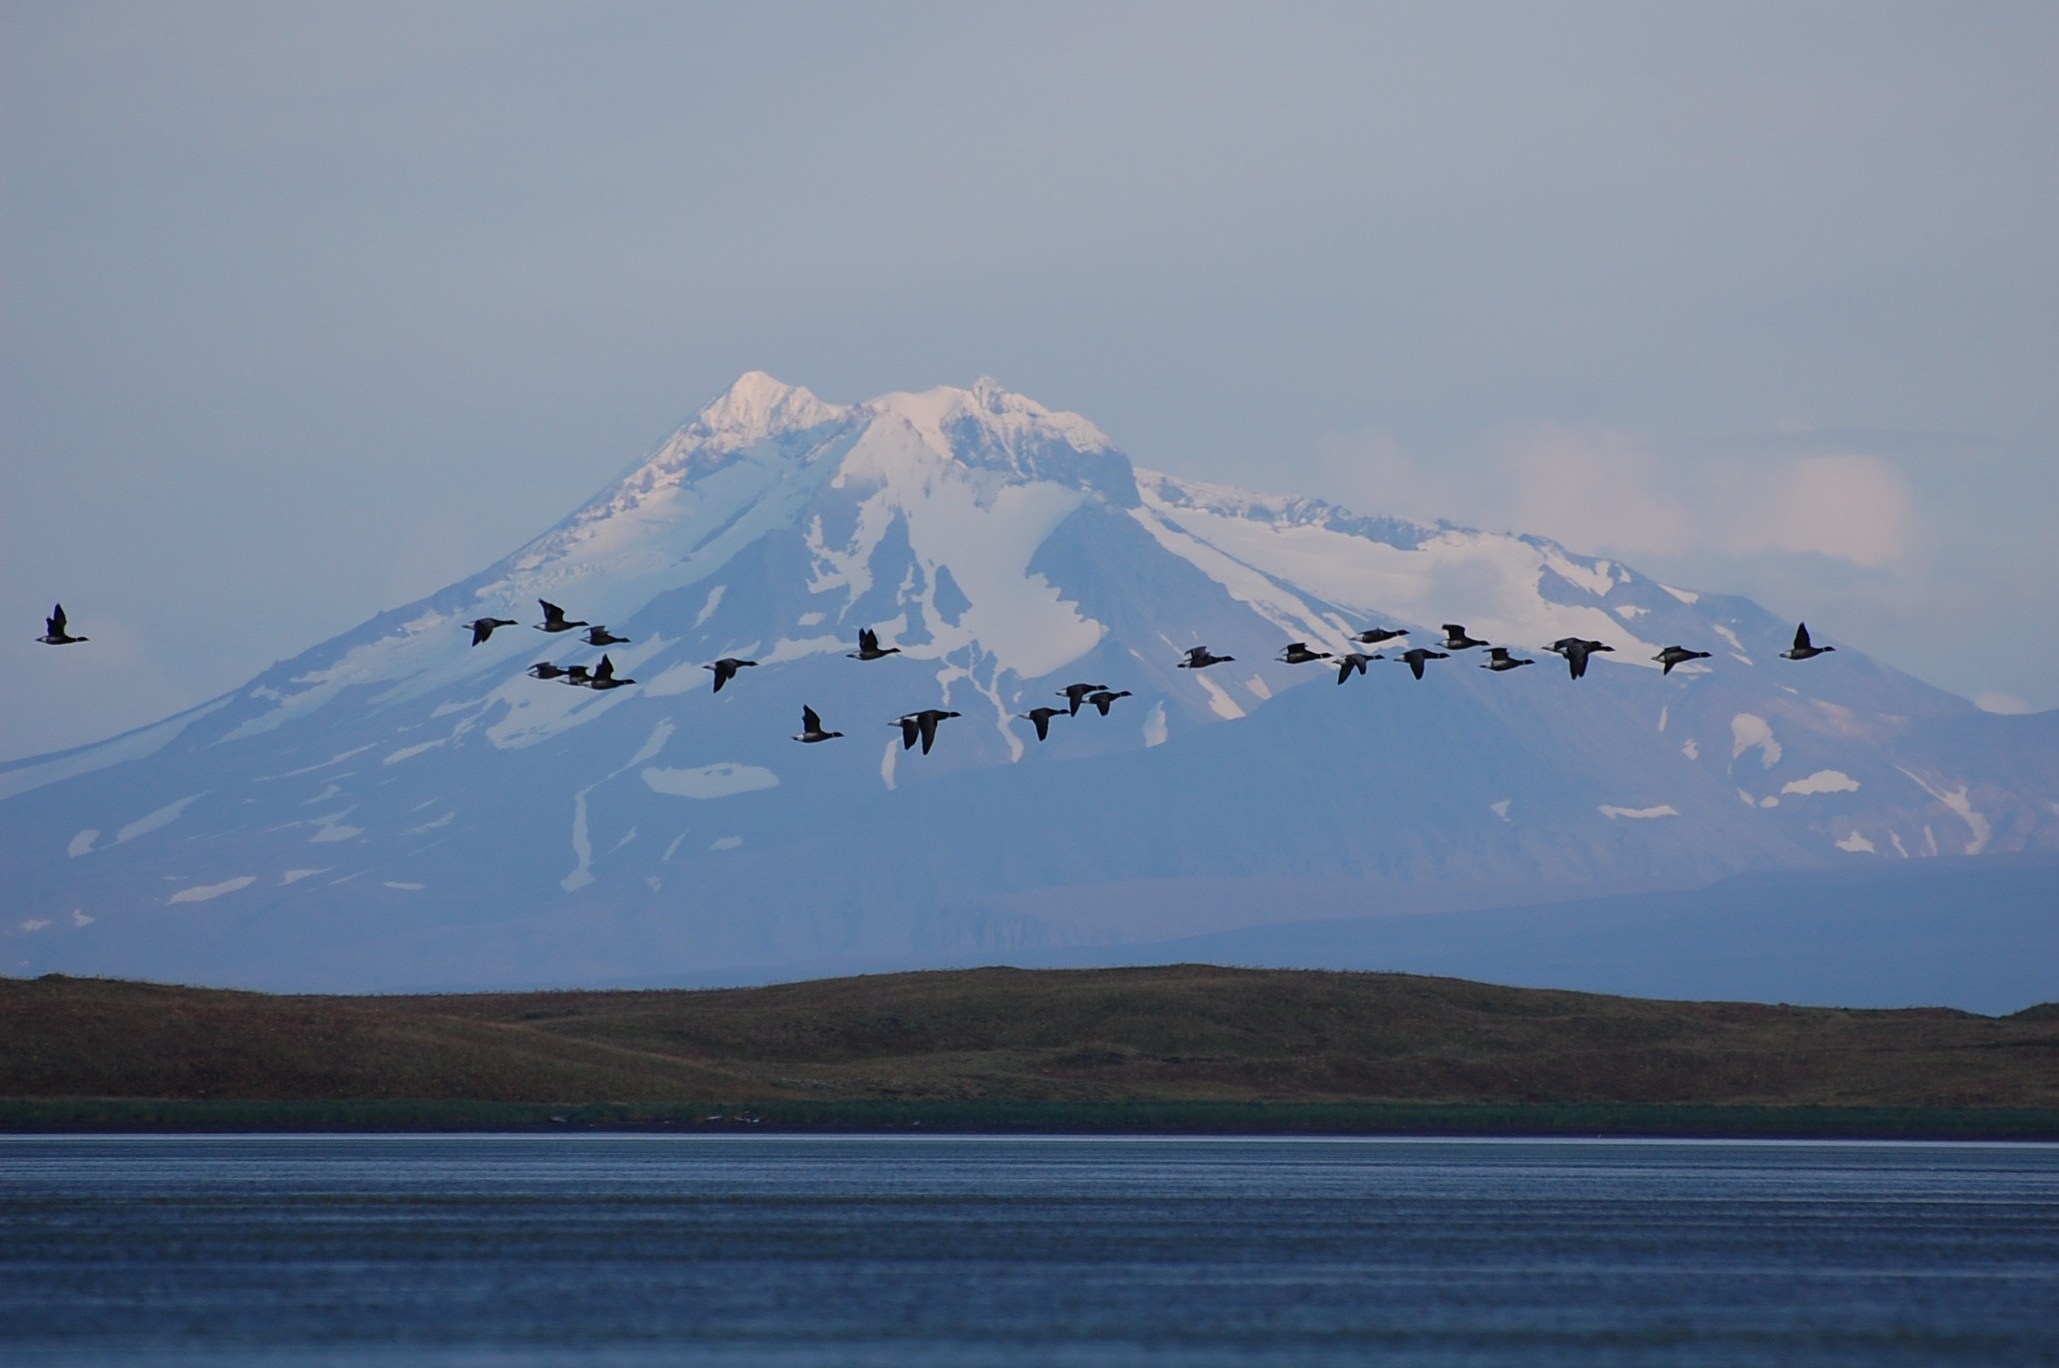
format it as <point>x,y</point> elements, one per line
<point>1455,638</point>
<point>482,628</point>
<point>543,669</point>
<point>1677,655</point>
<point>1198,658</point>
<point>1297,653</point>
<point>578,676</point>
<point>53,630</point>
<point>1355,660</point>
<point>1042,718</point>
<point>811,727</point>
<point>1498,658</point>
<point>554,619</point>
<point>1802,648</point>
<point>1576,650</point>
<point>869,647</point>
<point>922,725</point>
<point>1416,656</point>
<point>1074,694</point>
<point>601,636</point>
<point>725,670</point>
<point>603,676</point>
<point>1105,697</point>
<point>1375,635</point>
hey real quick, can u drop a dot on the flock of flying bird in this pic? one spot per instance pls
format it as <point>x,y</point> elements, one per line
<point>921,727</point>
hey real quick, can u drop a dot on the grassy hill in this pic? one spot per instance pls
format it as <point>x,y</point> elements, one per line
<point>1066,1046</point>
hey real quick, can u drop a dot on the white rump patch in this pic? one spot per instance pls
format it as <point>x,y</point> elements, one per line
<point>1856,843</point>
<point>203,892</point>
<point>1155,726</point>
<point>163,817</point>
<point>1749,731</point>
<point>727,843</point>
<point>1663,810</point>
<point>710,781</point>
<point>1501,809</point>
<point>82,844</point>
<point>1823,781</point>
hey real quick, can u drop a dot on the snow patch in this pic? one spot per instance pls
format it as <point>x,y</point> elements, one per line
<point>710,781</point>
<point>410,752</point>
<point>405,887</point>
<point>137,745</point>
<point>1689,749</point>
<point>35,923</point>
<point>204,892</point>
<point>1627,611</point>
<point>1822,781</point>
<point>331,828</point>
<point>1958,801</point>
<point>1501,809</point>
<point>296,875</point>
<point>1665,713</point>
<point>1219,702</point>
<point>1663,810</point>
<point>809,620</point>
<point>1155,726</point>
<point>154,821</point>
<point>1684,595</point>
<point>82,844</point>
<point>1749,731</point>
<point>727,843</point>
<point>79,918</point>
<point>1736,646</point>
<point>708,608</point>
<point>1856,843</point>
<point>445,820</point>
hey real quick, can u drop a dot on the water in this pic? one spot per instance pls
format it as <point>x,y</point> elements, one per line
<point>978,1250</point>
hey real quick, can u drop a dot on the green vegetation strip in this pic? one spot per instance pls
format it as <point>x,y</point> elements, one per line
<point>134,1115</point>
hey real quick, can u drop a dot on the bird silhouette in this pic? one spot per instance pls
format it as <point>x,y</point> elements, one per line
<point>1042,718</point>
<point>921,725</point>
<point>1803,650</point>
<point>1106,698</point>
<point>1355,660</point>
<point>869,647</point>
<point>1073,694</point>
<point>554,619</point>
<point>578,676</point>
<point>1498,658</point>
<point>603,676</point>
<point>1297,653</point>
<point>601,636</point>
<point>811,727</point>
<point>1576,650</point>
<point>1677,655</point>
<point>543,669</point>
<point>1416,656</point>
<point>1455,638</point>
<point>1198,658</point>
<point>725,670</point>
<point>54,633</point>
<point>1373,636</point>
<point>482,628</point>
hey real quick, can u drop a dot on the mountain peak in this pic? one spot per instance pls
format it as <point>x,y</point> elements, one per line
<point>758,405</point>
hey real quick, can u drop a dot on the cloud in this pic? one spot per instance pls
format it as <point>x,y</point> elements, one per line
<point>1603,489</point>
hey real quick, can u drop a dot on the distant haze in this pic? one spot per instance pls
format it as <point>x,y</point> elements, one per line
<point>309,310</point>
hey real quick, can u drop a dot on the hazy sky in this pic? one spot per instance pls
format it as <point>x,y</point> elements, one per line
<point>311,309</point>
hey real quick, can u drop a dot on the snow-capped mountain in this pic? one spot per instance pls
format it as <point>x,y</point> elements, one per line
<point>397,807</point>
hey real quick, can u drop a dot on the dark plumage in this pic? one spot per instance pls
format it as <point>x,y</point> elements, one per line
<point>1297,653</point>
<point>554,619</point>
<point>1416,656</point>
<point>921,726</point>
<point>543,669</point>
<point>1074,693</point>
<point>1355,660</point>
<point>1106,697</point>
<point>1198,658</point>
<point>1498,658</point>
<point>578,676</point>
<point>1677,655</point>
<point>1802,649</point>
<point>1373,636</point>
<point>601,636</point>
<point>811,727</point>
<point>869,647</point>
<point>482,628</point>
<point>1576,650</point>
<point>1455,638</point>
<point>603,676</point>
<point>54,633</point>
<point>1042,718</point>
<point>725,670</point>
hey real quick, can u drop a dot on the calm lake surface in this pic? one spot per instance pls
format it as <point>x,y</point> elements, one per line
<point>769,1249</point>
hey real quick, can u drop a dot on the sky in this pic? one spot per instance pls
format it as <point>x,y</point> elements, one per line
<point>310,310</point>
